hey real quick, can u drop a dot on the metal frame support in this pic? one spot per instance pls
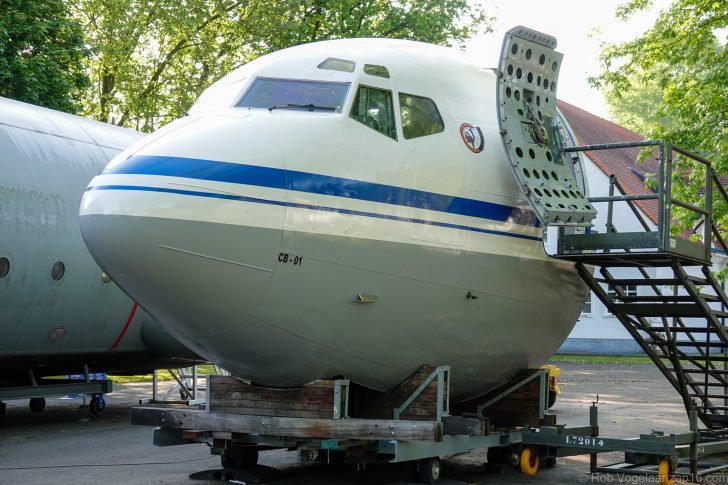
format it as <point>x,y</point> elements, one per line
<point>594,423</point>
<point>56,388</point>
<point>442,373</point>
<point>541,374</point>
<point>341,399</point>
<point>181,378</point>
<point>693,416</point>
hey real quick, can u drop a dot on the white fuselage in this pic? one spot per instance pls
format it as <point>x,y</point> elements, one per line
<point>253,234</point>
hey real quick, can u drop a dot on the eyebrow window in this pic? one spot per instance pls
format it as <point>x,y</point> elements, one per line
<point>375,70</point>
<point>334,64</point>
<point>420,116</point>
<point>295,94</point>
<point>374,108</point>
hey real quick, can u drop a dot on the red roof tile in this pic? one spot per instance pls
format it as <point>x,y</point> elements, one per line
<point>590,129</point>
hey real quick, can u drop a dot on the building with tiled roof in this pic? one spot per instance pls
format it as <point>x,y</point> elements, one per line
<point>590,129</point>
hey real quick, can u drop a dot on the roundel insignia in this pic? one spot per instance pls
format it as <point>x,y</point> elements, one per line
<point>473,137</point>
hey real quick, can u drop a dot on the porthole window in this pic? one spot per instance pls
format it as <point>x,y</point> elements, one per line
<point>58,270</point>
<point>4,267</point>
<point>420,116</point>
<point>374,108</point>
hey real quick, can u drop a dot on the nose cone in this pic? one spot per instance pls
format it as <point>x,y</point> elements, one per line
<point>174,228</point>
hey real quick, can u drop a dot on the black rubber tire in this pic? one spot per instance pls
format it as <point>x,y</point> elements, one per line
<point>96,405</point>
<point>498,455</point>
<point>37,404</point>
<point>249,457</point>
<point>226,460</point>
<point>240,457</point>
<point>430,470</point>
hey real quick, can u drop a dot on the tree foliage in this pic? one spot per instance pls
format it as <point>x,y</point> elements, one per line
<point>672,84</point>
<point>41,50</point>
<point>152,58</point>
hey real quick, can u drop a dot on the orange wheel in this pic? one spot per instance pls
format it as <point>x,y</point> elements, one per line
<point>529,462</point>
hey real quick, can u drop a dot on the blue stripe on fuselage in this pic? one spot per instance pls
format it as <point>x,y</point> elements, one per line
<point>276,178</point>
<point>256,200</point>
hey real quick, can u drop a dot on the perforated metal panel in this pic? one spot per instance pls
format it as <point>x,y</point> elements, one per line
<point>529,71</point>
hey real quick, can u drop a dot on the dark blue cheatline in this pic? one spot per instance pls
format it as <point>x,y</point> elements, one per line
<point>276,178</point>
<point>311,207</point>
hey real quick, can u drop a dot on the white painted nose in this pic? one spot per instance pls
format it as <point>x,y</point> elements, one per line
<point>194,216</point>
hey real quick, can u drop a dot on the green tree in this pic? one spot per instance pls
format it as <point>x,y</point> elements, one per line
<point>41,50</point>
<point>152,58</point>
<point>679,68</point>
<point>638,108</point>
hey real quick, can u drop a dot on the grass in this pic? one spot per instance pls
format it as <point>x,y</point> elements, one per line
<point>602,359</point>
<point>162,375</point>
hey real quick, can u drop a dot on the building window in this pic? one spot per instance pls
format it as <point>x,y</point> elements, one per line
<point>629,290</point>
<point>587,310</point>
<point>420,116</point>
<point>374,108</point>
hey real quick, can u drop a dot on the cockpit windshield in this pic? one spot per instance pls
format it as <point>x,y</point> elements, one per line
<point>295,94</point>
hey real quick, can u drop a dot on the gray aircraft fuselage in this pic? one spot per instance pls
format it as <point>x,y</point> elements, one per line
<point>57,309</point>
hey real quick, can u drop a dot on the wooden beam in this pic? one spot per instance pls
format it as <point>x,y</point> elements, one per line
<point>370,429</point>
<point>458,425</point>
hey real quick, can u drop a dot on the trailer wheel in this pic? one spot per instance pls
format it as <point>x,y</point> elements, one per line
<point>97,404</point>
<point>430,470</point>
<point>498,455</point>
<point>240,457</point>
<point>529,462</point>
<point>37,404</point>
<point>249,457</point>
<point>664,473</point>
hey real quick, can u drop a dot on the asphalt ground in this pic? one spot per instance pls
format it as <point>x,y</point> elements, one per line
<point>64,444</point>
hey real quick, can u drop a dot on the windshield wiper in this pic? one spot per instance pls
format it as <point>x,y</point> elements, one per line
<point>309,107</point>
<point>312,107</point>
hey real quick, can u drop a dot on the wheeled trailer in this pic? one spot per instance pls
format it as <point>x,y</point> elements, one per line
<point>240,419</point>
<point>38,390</point>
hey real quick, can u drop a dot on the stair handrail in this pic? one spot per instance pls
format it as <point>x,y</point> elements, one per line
<point>663,195</point>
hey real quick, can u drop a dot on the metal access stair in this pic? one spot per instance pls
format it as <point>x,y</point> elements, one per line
<point>679,316</point>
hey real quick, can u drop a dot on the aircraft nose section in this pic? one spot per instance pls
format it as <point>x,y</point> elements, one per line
<point>174,229</point>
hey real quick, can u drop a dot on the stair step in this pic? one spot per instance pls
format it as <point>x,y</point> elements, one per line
<point>700,371</point>
<point>651,281</point>
<point>665,298</point>
<point>711,358</point>
<point>710,396</point>
<point>683,330</point>
<point>716,418</point>
<point>690,343</point>
<point>668,309</point>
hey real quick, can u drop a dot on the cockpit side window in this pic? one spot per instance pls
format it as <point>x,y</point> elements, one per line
<point>420,116</point>
<point>296,94</point>
<point>374,108</point>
